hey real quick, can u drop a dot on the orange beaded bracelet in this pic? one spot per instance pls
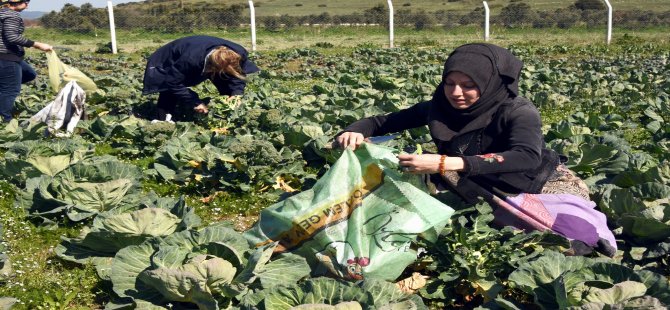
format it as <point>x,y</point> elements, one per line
<point>441,167</point>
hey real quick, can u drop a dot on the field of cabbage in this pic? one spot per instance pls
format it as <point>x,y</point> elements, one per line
<point>129,214</point>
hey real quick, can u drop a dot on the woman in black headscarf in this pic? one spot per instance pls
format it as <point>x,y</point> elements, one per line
<point>490,145</point>
<point>480,125</point>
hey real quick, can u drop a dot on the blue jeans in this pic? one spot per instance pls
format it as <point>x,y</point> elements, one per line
<point>12,75</point>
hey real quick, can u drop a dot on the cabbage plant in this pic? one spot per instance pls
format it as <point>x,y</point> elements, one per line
<point>116,229</point>
<point>182,159</point>
<point>83,190</point>
<point>558,281</point>
<point>319,293</point>
<point>33,158</point>
<point>211,268</point>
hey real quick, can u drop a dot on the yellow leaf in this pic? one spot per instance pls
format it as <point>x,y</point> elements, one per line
<point>211,197</point>
<point>220,131</point>
<point>283,185</point>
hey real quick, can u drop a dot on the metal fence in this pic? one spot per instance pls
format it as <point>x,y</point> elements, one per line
<point>280,15</point>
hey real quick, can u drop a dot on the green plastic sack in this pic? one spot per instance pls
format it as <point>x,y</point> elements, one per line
<point>60,74</point>
<point>359,220</point>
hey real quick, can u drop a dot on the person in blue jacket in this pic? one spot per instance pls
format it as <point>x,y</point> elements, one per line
<point>189,61</point>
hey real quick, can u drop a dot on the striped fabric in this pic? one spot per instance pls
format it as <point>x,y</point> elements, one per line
<point>66,110</point>
<point>12,42</point>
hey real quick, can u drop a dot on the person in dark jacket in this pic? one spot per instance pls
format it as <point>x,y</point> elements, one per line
<point>14,71</point>
<point>490,145</point>
<point>480,125</point>
<point>189,61</point>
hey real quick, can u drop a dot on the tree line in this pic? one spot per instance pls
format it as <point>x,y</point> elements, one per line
<point>167,16</point>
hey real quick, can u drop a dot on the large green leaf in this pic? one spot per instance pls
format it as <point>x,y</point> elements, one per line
<point>121,227</point>
<point>657,285</point>
<point>370,294</point>
<point>128,263</point>
<point>117,232</point>
<point>539,277</point>
<point>287,268</point>
<point>190,281</point>
<point>168,253</point>
<point>644,229</point>
<point>84,189</point>
<point>618,293</point>
<point>560,282</point>
<point>348,305</point>
<point>93,197</point>
<point>316,291</point>
<point>28,159</point>
<point>645,302</point>
<point>149,221</point>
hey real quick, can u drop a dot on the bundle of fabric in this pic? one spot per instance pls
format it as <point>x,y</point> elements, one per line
<point>65,111</point>
<point>566,213</point>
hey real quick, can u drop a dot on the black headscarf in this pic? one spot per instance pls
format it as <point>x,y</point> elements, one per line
<point>495,71</point>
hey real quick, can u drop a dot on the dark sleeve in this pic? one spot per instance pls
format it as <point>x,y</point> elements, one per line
<point>249,66</point>
<point>525,143</point>
<point>181,93</point>
<point>186,97</point>
<point>412,117</point>
<point>229,86</point>
<point>10,32</point>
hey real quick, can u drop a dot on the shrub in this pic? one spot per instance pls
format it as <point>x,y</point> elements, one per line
<point>324,45</point>
<point>104,48</point>
<point>589,5</point>
<point>72,42</point>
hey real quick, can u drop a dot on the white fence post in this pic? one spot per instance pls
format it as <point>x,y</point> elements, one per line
<point>390,4</point>
<point>112,28</point>
<point>252,13</point>
<point>609,21</point>
<point>487,15</point>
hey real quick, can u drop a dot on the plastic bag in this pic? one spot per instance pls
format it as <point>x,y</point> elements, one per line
<point>359,220</point>
<point>60,74</point>
<point>66,110</point>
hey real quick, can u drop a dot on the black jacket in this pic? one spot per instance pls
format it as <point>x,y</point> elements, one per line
<point>507,156</point>
<point>180,64</point>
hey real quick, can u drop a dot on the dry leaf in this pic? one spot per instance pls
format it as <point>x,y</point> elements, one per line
<point>281,184</point>
<point>413,283</point>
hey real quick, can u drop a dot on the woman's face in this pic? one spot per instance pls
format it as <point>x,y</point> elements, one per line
<point>460,90</point>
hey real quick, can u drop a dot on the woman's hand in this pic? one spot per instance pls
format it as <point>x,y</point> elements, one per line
<point>43,47</point>
<point>201,108</point>
<point>428,163</point>
<point>350,139</point>
<point>420,164</point>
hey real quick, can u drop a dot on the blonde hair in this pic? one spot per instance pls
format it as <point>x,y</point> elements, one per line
<point>224,61</point>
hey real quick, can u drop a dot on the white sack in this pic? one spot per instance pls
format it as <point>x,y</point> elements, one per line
<point>67,108</point>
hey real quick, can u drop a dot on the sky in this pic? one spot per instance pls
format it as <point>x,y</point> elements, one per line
<point>56,5</point>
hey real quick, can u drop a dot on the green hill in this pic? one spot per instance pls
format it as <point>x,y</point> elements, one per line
<point>341,7</point>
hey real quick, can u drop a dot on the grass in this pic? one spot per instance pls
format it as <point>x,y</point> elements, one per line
<point>130,42</point>
<point>40,280</point>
